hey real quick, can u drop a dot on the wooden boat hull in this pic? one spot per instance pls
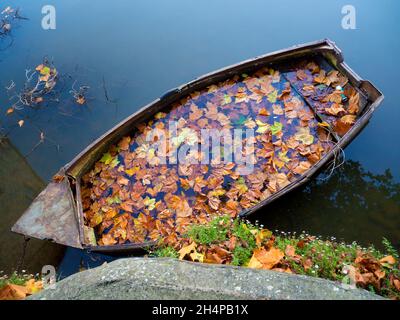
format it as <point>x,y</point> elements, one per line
<point>57,215</point>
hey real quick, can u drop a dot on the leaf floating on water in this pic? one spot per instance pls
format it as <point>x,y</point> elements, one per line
<point>106,158</point>
<point>81,100</point>
<point>303,167</point>
<point>276,128</point>
<point>273,96</point>
<point>263,112</point>
<point>354,102</point>
<point>348,119</point>
<point>335,109</point>
<point>262,127</point>
<point>304,136</point>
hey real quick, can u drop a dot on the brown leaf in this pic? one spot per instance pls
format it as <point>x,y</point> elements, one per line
<point>263,112</point>
<point>396,283</point>
<point>195,113</point>
<point>335,109</point>
<point>341,128</point>
<point>388,259</point>
<point>266,259</point>
<point>301,74</point>
<point>58,178</point>
<point>303,167</point>
<point>81,100</point>
<point>307,264</point>
<point>301,244</point>
<point>277,109</point>
<point>290,251</point>
<point>13,292</point>
<point>354,102</point>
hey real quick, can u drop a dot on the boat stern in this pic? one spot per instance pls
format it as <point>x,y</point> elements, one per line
<point>52,216</point>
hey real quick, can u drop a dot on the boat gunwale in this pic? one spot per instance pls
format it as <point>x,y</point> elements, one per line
<point>323,46</point>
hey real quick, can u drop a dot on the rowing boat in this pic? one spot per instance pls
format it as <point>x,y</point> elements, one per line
<point>308,88</point>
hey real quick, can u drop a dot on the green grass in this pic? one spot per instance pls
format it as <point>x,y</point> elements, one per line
<point>215,232</point>
<point>14,278</point>
<point>167,252</point>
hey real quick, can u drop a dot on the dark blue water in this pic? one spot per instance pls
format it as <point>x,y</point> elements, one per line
<point>144,48</point>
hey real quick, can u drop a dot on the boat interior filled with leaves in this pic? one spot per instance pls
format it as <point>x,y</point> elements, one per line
<point>292,112</point>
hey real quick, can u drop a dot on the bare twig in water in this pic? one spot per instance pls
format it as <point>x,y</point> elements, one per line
<point>42,139</point>
<point>106,93</point>
<point>339,157</point>
<point>80,94</point>
<point>39,82</point>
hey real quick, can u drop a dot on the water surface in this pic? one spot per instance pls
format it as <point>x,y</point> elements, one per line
<point>138,50</point>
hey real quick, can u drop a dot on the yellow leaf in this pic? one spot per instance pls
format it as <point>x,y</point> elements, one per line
<point>160,115</point>
<point>348,119</point>
<point>266,259</point>
<point>262,127</point>
<point>10,110</point>
<point>187,250</point>
<point>21,123</point>
<point>132,171</point>
<point>304,136</point>
<point>324,124</point>
<point>261,235</point>
<point>254,263</point>
<point>195,256</point>
<point>33,286</point>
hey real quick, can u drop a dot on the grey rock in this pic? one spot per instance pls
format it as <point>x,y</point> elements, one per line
<point>165,278</point>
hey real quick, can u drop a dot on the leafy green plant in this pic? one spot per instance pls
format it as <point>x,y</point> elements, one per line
<point>167,252</point>
<point>215,232</point>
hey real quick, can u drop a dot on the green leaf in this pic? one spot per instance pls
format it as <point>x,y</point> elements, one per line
<point>113,200</point>
<point>106,158</point>
<point>262,127</point>
<point>45,71</point>
<point>227,99</point>
<point>273,96</point>
<point>276,127</point>
<point>283,157</point>
<point>149,203</point>
<point>114,162</point>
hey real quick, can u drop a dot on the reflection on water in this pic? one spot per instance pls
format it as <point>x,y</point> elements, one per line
<point>353,205</point>
<point>19,185</point>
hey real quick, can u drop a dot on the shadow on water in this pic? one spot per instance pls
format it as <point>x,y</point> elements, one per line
<point>19,185</point>
<point>351,205</point>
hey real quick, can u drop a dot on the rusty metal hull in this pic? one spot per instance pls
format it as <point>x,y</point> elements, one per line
<point>57,212</point>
